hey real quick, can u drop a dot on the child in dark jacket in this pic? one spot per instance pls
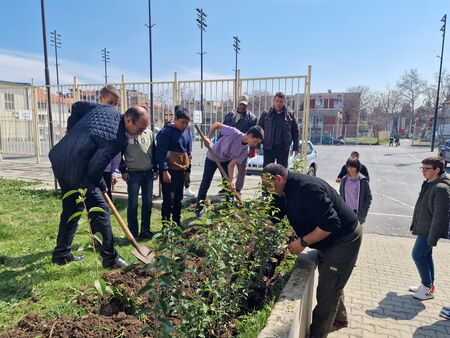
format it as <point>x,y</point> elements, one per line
<point>172,148</point>
<point>355,190</point>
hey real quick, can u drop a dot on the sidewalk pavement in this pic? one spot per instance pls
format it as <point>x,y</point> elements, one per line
<point>27,169</point>
<point>377,297</point>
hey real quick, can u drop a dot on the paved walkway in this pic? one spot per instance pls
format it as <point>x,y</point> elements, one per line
<point>28,170</point>
<point>377,297</point>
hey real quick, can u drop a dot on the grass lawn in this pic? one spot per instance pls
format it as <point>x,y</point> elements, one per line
<point>29,282</point>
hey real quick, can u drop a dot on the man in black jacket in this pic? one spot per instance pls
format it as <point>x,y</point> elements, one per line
<point>241,119</point>
<point>280,131</point>
<point>78,161</point>
<point>322,221</point>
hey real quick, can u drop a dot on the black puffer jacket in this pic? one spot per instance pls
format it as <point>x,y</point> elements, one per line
<point>78,160</point>
<point>290,129</point>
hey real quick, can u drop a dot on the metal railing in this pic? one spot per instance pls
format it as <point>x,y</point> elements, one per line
<point>24,126</point>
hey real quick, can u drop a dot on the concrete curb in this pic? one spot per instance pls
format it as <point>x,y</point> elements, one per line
<point>291,315</point>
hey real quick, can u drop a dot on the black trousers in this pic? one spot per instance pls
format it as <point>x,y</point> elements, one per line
<point>335,268</point>
<point>278,153</point>
<point>172,195</point>
<point>100,222</point>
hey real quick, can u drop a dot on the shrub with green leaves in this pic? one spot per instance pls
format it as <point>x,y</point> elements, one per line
<point>207,276</point>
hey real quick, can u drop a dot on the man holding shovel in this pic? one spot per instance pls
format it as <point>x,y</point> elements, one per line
<point>230,150</point>
<point>78,161</point>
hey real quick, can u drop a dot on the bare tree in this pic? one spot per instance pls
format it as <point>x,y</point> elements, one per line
<point>358,103</point>
<point>412,87</point>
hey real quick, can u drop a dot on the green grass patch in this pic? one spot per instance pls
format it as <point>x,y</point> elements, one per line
<point>29,281</point>
<point>362,140</point>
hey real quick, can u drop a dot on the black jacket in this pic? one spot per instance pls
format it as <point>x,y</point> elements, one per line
<point>247,120</point>
<point>310,202</point>
<point>78,160</point>
<point>290,129</point>
<point>362,170</point>
<point>364,196</point>
<point>77,112</point>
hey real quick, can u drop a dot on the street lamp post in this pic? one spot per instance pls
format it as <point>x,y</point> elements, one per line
<point>56,42</point>
<point>105,59</point>
<point>150,26</point>
<point>47,81</point>
<point>201,23</point>
<point>237,48</point>
<point>433,136</point>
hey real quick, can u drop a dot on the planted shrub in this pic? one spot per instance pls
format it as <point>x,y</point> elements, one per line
<point>209,275</point>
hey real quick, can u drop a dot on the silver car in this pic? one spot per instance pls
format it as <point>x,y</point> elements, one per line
<point>255,164</point>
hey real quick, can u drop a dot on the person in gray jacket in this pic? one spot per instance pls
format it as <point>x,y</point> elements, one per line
<point>355,190</point>
<point>430,222</point>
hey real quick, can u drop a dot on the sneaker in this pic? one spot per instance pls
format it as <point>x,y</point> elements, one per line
<point>416,288</point>
<point>445,312</point>
<point>189,193</point>
<point>423,293</point>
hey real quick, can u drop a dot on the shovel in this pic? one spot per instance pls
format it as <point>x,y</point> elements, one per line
<point>141,252</point>
<point>215,159</point>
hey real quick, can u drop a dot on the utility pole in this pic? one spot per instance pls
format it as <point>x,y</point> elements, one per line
<point>150,26</point>
<point>56,42</point>
<point>237,48</point>
<point>444,20</point>
<point>201,23</point>
<point>47,81</point>
<point>105,59</point>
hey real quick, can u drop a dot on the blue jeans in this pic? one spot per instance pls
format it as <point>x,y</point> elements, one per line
<point>139,180</point>
<point>208,175</point>
<point>422,255</point>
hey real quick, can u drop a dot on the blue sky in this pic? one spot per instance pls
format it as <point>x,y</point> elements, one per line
<point>347,42</point>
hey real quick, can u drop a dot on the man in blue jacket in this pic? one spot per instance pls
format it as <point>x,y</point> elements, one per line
<point>78,161</point>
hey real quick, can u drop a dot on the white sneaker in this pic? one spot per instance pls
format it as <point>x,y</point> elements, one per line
<point>445,312</point>
<point>188,192</point>
<point>417,287</point>
<point>423,293</point>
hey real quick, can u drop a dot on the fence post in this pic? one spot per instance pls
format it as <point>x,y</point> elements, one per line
<point>175,90</point>
<point>35,119</point>
<point>76,94</point>
<point>306,120</point>
<point>123,103</point>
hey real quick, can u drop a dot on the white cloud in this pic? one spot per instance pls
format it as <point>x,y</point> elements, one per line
<point>17,66</point>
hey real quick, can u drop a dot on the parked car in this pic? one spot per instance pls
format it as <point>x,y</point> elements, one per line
<point>444,151</point>
<point>326,139</point>
<point>255,164</point>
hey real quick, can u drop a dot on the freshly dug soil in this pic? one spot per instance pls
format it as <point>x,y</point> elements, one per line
<point>88,326</point>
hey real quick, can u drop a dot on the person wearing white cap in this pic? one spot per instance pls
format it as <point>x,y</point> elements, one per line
<point>241,119</point>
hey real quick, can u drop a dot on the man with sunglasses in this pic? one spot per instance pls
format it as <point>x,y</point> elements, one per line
<point>429,223</point>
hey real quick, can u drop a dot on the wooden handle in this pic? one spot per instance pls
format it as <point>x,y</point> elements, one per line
<point>216,160</point>
<point>119,219</point>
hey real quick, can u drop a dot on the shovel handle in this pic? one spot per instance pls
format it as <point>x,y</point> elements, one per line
<point>122,224</point>
<point>216,160</point>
